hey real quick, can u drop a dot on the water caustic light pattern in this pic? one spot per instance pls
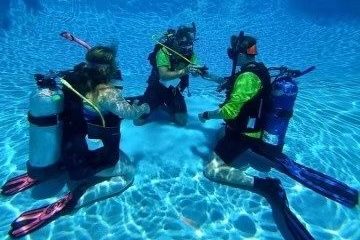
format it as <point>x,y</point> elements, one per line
<point>170,197</point>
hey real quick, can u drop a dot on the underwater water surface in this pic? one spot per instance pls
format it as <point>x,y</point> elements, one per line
<point>170,197</point>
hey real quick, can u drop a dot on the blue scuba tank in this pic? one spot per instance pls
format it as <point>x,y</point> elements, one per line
<point>282,99</point>
<point>45,130</point>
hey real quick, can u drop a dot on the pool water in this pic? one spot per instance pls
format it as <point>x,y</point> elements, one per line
<point>170,197</point>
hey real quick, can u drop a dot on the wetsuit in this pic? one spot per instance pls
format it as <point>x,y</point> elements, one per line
<point>161,93</point>
<point>242,111</point>
<point>81,120</point>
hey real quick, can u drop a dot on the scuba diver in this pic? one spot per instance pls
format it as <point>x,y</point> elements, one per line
<point>77,129</point>
<point>257,112</point>
<point>173,58</point>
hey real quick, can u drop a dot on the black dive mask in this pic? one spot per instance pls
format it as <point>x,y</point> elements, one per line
<point>186,47</point>
<point>185,38</point>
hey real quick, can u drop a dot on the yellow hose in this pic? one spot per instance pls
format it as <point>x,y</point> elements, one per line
<point>68,85</point>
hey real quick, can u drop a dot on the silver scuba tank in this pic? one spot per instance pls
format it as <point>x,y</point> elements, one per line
<point>45,130</point>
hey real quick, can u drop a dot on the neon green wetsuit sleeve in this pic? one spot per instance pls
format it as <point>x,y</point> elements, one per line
<point>247,86</point>
<point>162,58</point>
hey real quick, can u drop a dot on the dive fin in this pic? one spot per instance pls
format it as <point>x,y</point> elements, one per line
<point>271,189</point>
<point>105,184</point>
<point>297,229</point>
<point>68,36</point>
<point>318,182</point>
<point>18,184</point>
<point>72,38</point>
<point>32,220</point>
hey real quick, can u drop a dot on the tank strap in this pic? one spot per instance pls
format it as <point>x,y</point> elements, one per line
<point>100,132</point>
<point>45,121</point>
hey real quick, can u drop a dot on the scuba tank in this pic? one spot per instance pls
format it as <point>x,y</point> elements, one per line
<point>277,118</point>
<point>45,130</point>
<point>282,98</point>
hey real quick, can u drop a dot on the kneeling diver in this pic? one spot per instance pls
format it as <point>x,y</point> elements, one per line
<point>256,114</point>
<point>82,121</point>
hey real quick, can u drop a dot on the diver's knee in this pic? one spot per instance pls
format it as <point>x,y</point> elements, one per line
<point>209,172</point>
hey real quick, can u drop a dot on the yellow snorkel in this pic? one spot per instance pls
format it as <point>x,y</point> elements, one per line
<point>68,85</point>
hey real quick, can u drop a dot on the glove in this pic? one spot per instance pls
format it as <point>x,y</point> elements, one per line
<point>203,117</point>
<point>198,70</point>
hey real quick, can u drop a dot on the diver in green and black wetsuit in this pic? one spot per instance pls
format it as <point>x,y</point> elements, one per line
<point>256,114</point>
<point>170,73</point>
<point>246,97</point>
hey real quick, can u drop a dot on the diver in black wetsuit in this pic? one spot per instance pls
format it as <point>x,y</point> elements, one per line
<point>172,61</point>
<point>93,111</point>
<point>92,80</point>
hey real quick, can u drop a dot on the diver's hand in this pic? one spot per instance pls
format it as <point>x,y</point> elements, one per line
<point>145,108</point>
<point>203,117</point>
<point>197,70</point>
<point>183,72</point>
<point>136,102</point>
<point>190,69</point>
<point>223,84</point>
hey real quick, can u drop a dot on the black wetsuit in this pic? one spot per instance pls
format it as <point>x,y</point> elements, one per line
<point>235,140</point>
<point>156,94</point>
<point>79,161</point>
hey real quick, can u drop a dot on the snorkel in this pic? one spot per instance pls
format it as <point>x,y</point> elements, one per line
<point>241,44</point>
<point>234,50</point>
